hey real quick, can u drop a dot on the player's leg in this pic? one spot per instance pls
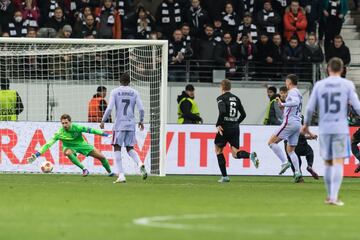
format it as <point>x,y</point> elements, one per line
<point>97,154</point>
<point>355,140</point>
<point>310,160</point>
<point>117,142</point>
<point>130,141</point>
<point>233,139</point>
<point>220,142</point>
<point>288,157</point>
<point>72,156</point>
<point>292,143</point>
<point>274,146</point>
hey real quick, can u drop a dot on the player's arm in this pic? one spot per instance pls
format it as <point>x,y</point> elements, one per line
<point>44,148</point>
<point>83,129</point>
<point>108,110</point>
<point>242,112</point>
<point>354,99</point>
<point>222,112</point>
<point>310,109</point>
<point>140,107</point>
<point>294,101</point>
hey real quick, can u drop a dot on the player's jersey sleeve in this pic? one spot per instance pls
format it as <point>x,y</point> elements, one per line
<point>48,144</point>
<point>109,107</point>
<point>82,129</point>
<point>140,107</point>
<point>311,106</point>
<point>293,100</point>
<point>353,98</point>
<point>222,110</point>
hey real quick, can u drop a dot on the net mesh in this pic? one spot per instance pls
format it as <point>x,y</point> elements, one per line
<point>52,79</point>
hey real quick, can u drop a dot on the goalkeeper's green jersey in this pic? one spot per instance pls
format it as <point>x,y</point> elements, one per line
<point>70,138</point>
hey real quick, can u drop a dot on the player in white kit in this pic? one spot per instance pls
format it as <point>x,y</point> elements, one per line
<point>332,97</point>
<point>124,98</point>
<point>290,128</point>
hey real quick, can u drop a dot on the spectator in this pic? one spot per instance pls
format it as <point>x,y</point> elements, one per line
<point>227,53</point>
<point>47,10</point>
<point>108,21</point>
<point>188,110</point>
<point>249,6</point>
<point>7,10</point>
<point>97,105</point>
<point>65,32</point>
<point>190,41</point>
<point>81,19</point>
<point>10,102</point>
<point>264,57</point>
<point>230,20</point>
<point>277,55</point>
<point>31,32</point>
<point>247,49</point>
<point>313,11</point>
<point>145,24</point>
<point>247,29</point>
<point>168,17</point>
<point>268,20</point>
<point>57,22</point>
<point>334,14</point>
<point>30,12</point>
<point>197,18</point>
<point>271,93</point>
<point>312,50</point>
<point>293,56</point>
<point>17,27</point>
<point>177,54</point>
<point>218,31</point>
<point>338,49</point>
<point>275,113</point>
<point>88,30</point>
<point>206,49</point>
<point>295,22</point>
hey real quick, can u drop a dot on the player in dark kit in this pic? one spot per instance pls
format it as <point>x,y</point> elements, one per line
<point>228,128</point>
<point>355,140</point>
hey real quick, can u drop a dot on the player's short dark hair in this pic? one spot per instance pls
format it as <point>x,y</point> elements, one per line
<point>272,88</point>
<point>65,116</point>
<point>336,65</point>
<point>101,89</point>
<point>293,78</point>
<point>125,79</point>
<point>190,88</point>
<point>226,85</point>
<point>283,89</point>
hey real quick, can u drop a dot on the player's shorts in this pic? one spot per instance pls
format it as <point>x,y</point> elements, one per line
<point>289,132</point>
<point>84,149</point>
<point>124,138</point>
<point>333,146</point>
<point>230,135</point>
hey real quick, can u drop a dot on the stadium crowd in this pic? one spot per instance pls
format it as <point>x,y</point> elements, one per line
<point>263,35</point>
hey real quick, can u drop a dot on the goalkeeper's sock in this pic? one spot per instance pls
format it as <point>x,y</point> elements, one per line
<point>222,164</point>
<point>106,164</point>
<point>135,157</point>
<point>242,154</point>
<point>76,161</point>
<point>118,162</point>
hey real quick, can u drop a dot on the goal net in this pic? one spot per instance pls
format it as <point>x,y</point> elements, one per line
<point>57,76</point>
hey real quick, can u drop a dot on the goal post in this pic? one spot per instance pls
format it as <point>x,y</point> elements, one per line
<point>56,76</point>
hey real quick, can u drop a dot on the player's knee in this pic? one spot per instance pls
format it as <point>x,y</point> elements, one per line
<point>129,148</point>
<point>68,152</point>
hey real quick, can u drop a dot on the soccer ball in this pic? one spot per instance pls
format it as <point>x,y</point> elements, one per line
<point>46,167</point>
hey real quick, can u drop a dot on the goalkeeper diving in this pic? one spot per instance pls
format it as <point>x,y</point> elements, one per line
<point>70,134</point>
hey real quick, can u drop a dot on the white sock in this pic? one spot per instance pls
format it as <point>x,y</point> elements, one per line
<point>278,152</point>
<point>135,157</point>
<point>295,161</point>
<point>327,179</point>
<point>336,180</point>
<point>118,162</point>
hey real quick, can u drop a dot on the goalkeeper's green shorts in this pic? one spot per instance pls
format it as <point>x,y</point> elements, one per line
<point>84,149</point>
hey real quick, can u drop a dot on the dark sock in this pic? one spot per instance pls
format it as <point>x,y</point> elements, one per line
<point>222,164</point>
<point>242,154</point>
<point>310,157</point>
<point>355,151</point>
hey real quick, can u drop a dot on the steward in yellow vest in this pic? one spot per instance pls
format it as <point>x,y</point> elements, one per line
<point>10,102</point>
<point>188,110</point>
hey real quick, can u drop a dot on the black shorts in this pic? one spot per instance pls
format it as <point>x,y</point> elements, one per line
<point>230,135</point>
<point>356,137</point>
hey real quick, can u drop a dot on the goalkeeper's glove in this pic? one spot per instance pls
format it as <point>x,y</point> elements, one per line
<point>33,157</point>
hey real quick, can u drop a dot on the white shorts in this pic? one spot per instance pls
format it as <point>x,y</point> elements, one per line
<point>289,132</point>
<point>124,138</point>
<point>333,146</point>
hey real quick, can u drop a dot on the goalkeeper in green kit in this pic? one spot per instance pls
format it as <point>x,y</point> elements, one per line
<point>73,142</point>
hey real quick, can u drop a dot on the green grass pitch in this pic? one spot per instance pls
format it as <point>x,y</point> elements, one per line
<point>173,208</point>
